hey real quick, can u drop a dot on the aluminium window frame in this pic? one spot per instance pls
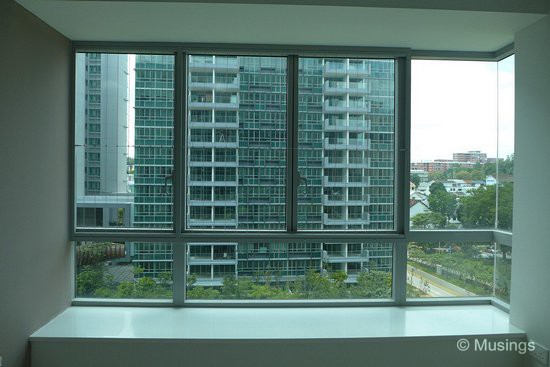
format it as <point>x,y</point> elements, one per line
<point>179,236</point>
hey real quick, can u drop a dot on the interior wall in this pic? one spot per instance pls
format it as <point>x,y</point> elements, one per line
<point>35,272</point>
<point>530,294</point>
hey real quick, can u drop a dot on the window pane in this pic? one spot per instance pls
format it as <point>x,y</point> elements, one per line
<point>237,142</point>
<point>505,174</point>
<point>445,269</point>
<point>123,270</point>
<point>289,271</point>
<point>123,140</point>
<point>503,272</point>
<point>453,144</point>
<point>346,144</point>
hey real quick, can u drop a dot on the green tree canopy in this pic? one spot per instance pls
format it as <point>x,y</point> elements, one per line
<point>478,209</point>
<point>415,179</point>
<point>429,220</point>
<point>440,201</point>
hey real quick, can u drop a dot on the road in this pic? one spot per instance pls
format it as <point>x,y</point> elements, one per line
<point>434,286</point>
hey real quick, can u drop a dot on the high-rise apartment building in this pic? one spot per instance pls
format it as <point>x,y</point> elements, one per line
<point>101,138</point>
<point>236,159</point>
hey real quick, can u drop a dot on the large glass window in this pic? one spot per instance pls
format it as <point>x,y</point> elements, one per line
<point>288,271</point>
<point>123,270</point>
<point>124,120</point>
<point>237,142</point>
<point>288,177</point>
<point>504,166</point>
<point>346,144</point>
<point>453,144</point>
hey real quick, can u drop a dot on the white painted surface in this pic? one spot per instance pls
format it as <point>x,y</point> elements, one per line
<point>530,293</point>
<point>275,323</point>
<point>282,24</point>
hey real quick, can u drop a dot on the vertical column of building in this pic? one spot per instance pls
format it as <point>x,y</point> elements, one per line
<point>92,170</point>
<point>154,121</point>
<point>358,161</point>
<point>101,106</point>
<point>262,159</point>
<point>212,164</point>
<point>311,125</point>
<point>381,152</point>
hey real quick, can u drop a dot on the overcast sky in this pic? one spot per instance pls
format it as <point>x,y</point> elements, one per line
<point>454,108</point>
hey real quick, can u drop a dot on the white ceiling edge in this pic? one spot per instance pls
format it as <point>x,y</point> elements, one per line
<point>281,24</point>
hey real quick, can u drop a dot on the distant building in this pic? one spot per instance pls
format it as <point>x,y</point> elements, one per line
<point>424,188</point>
<point>101,187</point>
<point>422,174</point>
<point>474,156</point>
<point>440,165</point>
<point>417,207</point>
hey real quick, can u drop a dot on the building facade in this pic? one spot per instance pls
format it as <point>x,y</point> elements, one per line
<point>101,139</point>
<point>236,161</point>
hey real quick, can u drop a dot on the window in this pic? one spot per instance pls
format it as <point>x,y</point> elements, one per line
<point>462,161</point>
<point>249,160</point>
<point>125,156</point>
<point>281,178</point>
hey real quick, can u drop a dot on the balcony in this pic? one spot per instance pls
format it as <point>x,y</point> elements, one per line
<point>208,259</point>
<point>381,182</point>
<point>342,68</point>
<point>210,64</point>
<point>210,144</point>
<point>208,223</point>
<point>211,202</point>
<point>209,85</point>
<point>343,257</point>
<point>231,105</point>
<point>347,125</point>
<point>341,220</point>
<point>353,88</point>
<point>341,201</point>
<point>350,144</point>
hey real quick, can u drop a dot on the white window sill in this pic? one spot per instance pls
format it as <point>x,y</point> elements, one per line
<point>151,323</point>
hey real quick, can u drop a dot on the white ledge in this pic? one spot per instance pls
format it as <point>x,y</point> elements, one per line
<point>140,323</point>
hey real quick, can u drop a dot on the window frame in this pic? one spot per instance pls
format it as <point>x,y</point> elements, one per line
<point>179,236</point>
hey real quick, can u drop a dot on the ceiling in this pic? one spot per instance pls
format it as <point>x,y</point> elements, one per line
<point>469,29</point>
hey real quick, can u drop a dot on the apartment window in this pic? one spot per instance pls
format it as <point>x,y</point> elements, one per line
<point>462,164</point>
<point>281,178</point>
<point>126,166</point>
<point>246,157</point>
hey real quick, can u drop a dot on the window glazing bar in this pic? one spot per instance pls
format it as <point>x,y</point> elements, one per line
<point>292,145</point>
<point>179,142</point>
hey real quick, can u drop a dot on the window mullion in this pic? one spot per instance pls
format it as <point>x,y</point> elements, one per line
<point>292,144</point>
<point>178,249</point>
<point>179,133</point>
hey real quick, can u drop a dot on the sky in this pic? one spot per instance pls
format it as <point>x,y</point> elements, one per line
<point>455,107</point>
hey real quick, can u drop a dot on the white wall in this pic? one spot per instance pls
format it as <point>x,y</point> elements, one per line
<point>34,252</point>
<point>530,294</point>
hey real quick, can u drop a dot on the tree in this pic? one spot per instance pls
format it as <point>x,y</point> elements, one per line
<point>440,201</point>
<point>437,176</point>
<point>429,220</point>
<point>373,284</point>
<point>415,179</point>
<point>505,205</point>
<point>478,210</point>
<point>507,166</point>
